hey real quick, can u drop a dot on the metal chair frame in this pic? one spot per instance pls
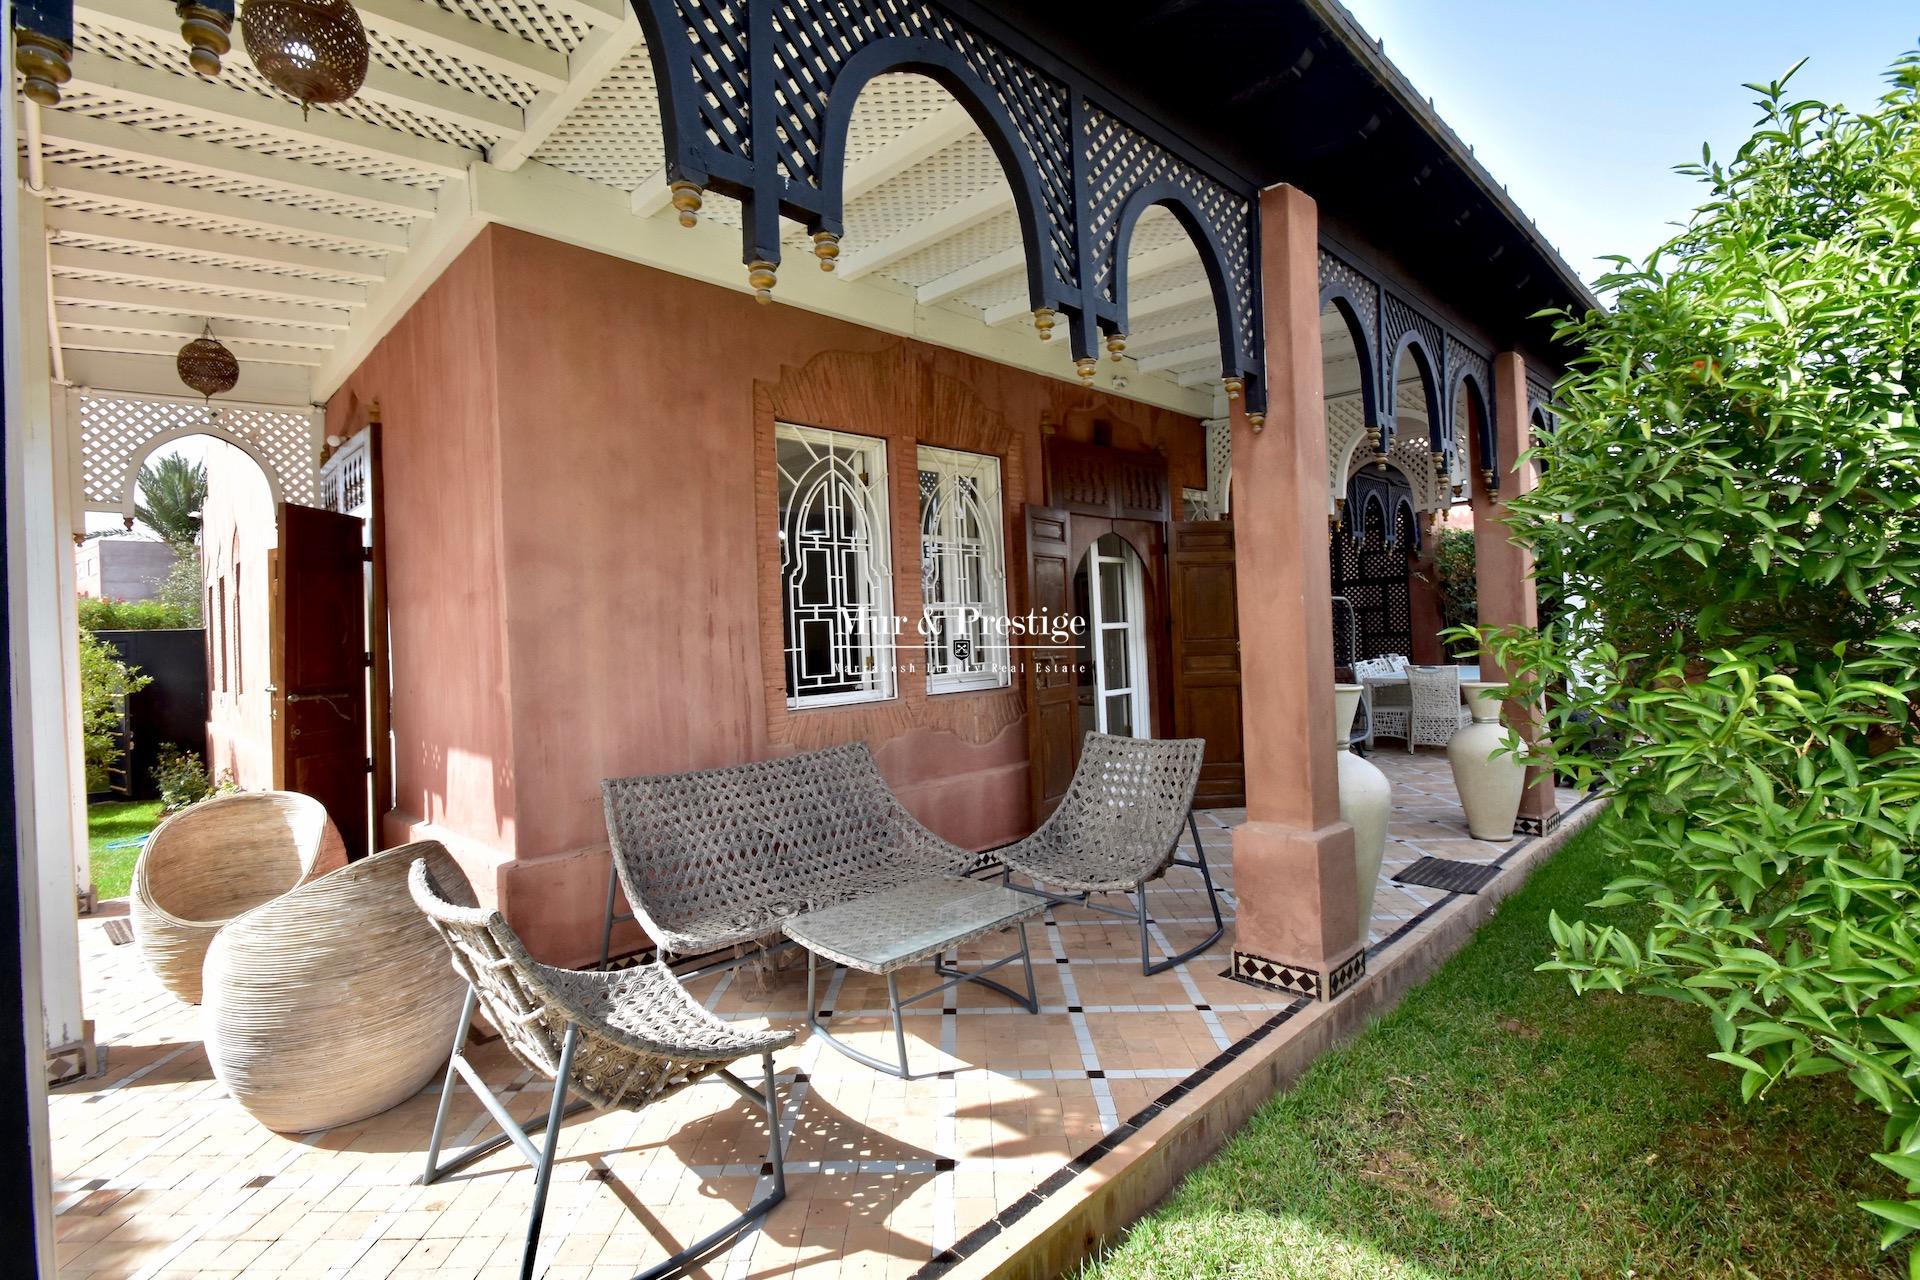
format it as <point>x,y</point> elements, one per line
<point>1138,894</point>
<point>542,1156</point>
<point>1030,1001</point>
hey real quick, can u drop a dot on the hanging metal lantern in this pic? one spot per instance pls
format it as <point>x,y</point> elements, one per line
<point>315,50</point>
<point>207,366</point>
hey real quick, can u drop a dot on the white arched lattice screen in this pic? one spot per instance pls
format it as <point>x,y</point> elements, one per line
<point>117,433</point>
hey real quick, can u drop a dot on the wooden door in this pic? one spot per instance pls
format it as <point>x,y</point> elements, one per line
<point>1053,686</point>
<point>1206,656</point>
<point>320,667</point>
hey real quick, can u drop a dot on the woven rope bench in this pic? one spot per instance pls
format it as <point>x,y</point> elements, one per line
<point>723,858</point>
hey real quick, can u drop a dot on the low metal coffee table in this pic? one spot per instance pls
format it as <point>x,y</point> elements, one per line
<point>890,930</point>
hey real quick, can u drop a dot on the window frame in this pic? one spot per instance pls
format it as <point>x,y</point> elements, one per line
<point>950,465</point>
<point>876,567</point>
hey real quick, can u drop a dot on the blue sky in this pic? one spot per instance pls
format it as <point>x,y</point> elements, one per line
<point>1583,107</point>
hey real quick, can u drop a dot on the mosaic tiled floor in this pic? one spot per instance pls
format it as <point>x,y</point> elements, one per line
<point>160,1174</point>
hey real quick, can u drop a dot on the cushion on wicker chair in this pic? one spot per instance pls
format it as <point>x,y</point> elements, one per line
<point>334,1002</point>
<point>216,860</point>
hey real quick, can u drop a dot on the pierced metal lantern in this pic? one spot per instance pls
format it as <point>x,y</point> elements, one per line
<point>315,50</point>
<point>207,366</point>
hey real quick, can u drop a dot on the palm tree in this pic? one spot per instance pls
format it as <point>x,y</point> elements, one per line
<point>172,491</point>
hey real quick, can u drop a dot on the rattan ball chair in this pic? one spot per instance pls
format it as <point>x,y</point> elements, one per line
<point>333,1002</point>
<point>217,860</point>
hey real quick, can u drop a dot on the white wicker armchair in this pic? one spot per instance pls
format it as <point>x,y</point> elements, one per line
<point>1388,708</point>
<point>1437,713</point>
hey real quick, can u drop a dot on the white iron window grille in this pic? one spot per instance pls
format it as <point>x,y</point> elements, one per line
<point>836,574</point>
<point>963,575</point>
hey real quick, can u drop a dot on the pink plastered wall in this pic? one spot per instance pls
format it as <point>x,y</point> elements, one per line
<point>573,552</point>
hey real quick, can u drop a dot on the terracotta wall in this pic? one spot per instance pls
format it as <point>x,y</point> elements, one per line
<point>436,376</point>
<point>575,552</point>
<point>237,532</point>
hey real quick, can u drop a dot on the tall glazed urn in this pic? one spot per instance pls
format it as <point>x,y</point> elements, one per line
<point>1365,799</point>
<point>1490,785</point>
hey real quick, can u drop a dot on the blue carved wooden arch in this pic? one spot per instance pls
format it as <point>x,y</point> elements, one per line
<point>1471,375</point>
<point>1235,343</point>
<point>946,68</point>
<point>1360,331</point>
<point>755,103</point>
<point>1405,328</point>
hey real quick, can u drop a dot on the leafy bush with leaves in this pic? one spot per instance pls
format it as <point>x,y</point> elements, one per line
<point>105,684</point>
<point>1453,571</point>
<point>181,777</point>
<point>134,615</point>
<point>1732,502</point>
<point>184,586</point>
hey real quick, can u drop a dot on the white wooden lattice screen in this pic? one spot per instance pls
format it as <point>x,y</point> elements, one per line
<point>117,433</point>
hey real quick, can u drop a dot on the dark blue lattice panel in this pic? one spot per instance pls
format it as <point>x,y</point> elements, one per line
<point>1398,318</point>
<point>1540,403</point>
<point>814,39</point>
<point>1364,294</point>
<point>716,34</point>
<point>1122,161</point>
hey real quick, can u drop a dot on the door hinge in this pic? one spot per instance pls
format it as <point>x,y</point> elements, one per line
<point>366,660</point>
<point>369,764</point>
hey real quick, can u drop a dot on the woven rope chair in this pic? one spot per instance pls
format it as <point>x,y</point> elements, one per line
<point>1437,713</point>
<point>616,1039</point>
<point>315,1001</point>
<point>215,861</point>
<point>1119,826</point>
<point>724,857</point>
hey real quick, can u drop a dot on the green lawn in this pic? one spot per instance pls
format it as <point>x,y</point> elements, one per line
<point>1496,1125</point>
<point>111,823</point>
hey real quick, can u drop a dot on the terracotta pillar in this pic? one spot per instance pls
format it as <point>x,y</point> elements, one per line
<point>1503,569</point>
<point>1298,926</point>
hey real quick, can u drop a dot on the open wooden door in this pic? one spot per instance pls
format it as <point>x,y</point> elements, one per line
<point>320,667</point>
<point>1053,685</point>
<point>1206,656</point>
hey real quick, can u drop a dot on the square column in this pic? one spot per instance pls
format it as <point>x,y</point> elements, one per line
<point>1299,927</point>
<point>1503,568</point>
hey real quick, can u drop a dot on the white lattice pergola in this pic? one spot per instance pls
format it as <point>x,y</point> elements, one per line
<point>116,433</point>
<point>172,202</point>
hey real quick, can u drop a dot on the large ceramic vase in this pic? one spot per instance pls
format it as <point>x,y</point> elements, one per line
<point>1489,784</point>
<point>1365,798</point>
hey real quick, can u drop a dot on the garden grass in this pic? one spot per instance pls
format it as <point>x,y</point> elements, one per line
<point>110,823</point>
<point>1497,1125</point>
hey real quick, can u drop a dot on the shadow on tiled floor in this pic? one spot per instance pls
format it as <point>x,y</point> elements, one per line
<point>160,1174</point>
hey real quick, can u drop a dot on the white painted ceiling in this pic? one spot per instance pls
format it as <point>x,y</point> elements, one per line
<point>174,202</point>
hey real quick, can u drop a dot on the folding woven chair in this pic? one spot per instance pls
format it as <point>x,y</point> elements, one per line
<point>616,1039</point>
<point>1119,826</point>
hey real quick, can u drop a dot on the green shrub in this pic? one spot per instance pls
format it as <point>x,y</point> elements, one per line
<point>1453,570</point>
<point>1731,503</point>
<point>105,684</point>
<point>184,586</point>
<point>181,778</point>
<point>134,615</point>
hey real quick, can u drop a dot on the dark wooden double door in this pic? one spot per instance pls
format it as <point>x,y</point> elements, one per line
<point>1190,622</point>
